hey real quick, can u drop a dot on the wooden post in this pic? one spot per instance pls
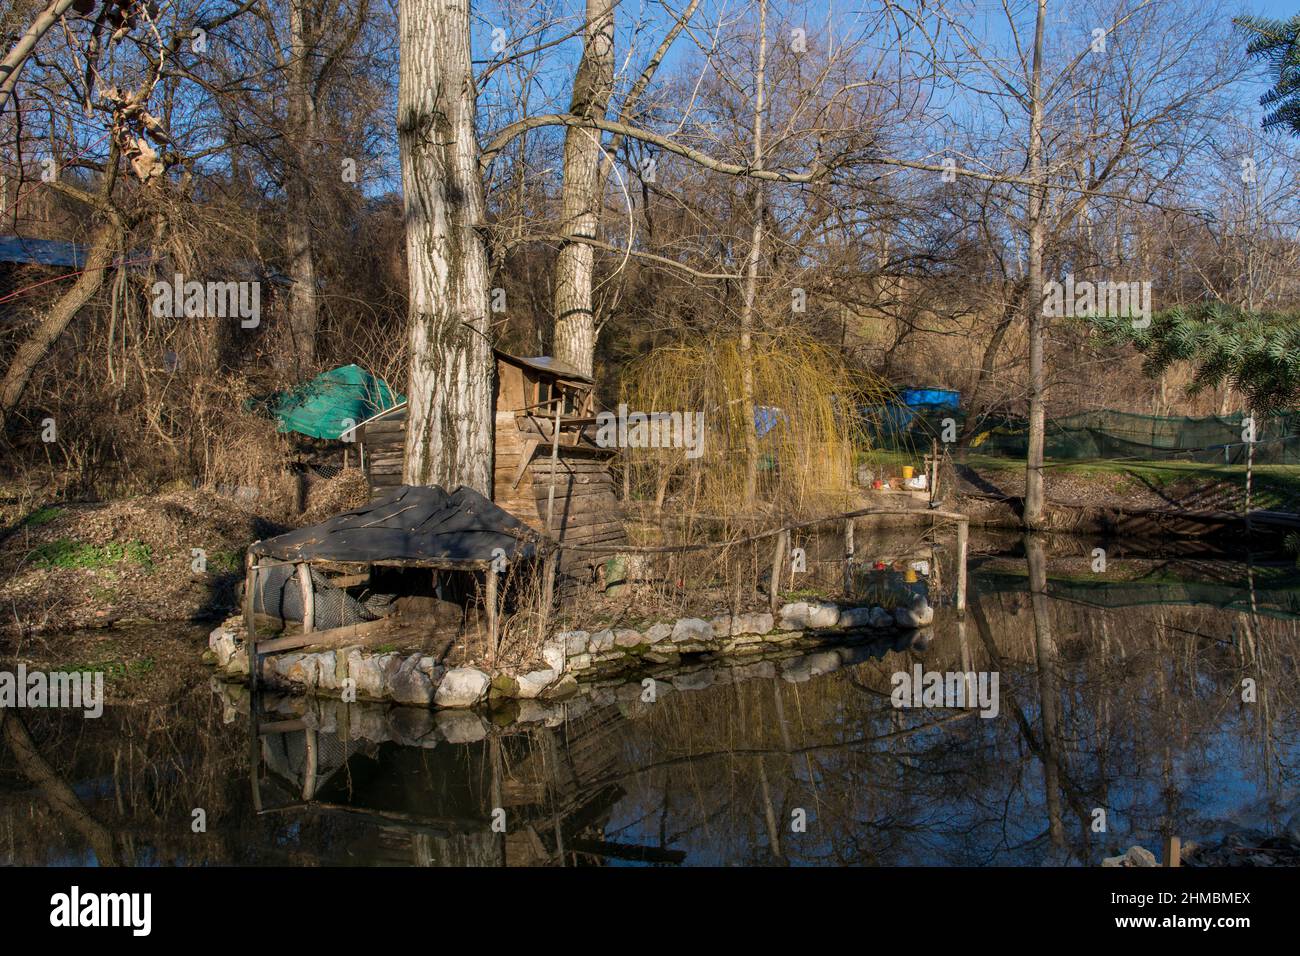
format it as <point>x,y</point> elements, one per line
<point>555,462</point>
<point>492,612</point>
<point>548,588</point>
<point>1173,851</point>
<point>934,470</point>
<point>303,572</point>
<point>963,530</point>
<point>774,585</point>
<point>849,549</point>
<point>310,765</point>
<point>250,622</point>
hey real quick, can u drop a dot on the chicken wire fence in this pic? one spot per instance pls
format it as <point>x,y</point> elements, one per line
<point>277,593</point>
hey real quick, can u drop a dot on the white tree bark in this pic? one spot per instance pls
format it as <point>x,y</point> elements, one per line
<point>1033,516</point>
<point>575,318</point>
<point>449,429</point>
<point>751,273</point>
<point>13,62</point>
<point>303,314</point>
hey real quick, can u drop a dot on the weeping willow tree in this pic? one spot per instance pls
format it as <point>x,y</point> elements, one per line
<point>805,419</point>
<point>1257,353</point>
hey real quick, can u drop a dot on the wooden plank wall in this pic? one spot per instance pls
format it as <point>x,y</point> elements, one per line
<point>515,498</point>
<point>586,508</point>
<point>385,445</point>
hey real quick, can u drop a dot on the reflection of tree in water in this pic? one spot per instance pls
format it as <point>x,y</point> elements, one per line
<point>122,788</point>
<point>1135,710</point>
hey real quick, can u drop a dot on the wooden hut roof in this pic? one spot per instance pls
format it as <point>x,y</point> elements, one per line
<point>544,363</point>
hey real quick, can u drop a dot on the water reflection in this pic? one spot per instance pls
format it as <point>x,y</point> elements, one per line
<point>1116,695</point>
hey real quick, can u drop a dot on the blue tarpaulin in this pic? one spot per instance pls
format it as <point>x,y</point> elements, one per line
<point>931,398</point>
<point>766,417</point>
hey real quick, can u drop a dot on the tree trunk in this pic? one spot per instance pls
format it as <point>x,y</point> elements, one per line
<point>1033,516</point>
<point>449,425</point>
<point>751,276</point>
<point>979,400</point>
<point>56,792</point>
<point>56,321</point>
<point>18,54</point>
<point>1049,706</point>
<point>298,237</point>
<point>575,319</point>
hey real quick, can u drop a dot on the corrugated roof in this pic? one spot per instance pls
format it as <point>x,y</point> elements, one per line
<point>544,363</point>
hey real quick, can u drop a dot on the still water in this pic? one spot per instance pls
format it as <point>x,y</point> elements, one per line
<point>1156,697</point>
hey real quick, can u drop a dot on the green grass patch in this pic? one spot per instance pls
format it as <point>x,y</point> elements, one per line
<point>226,561</point>
<point>1272,486</point>
<point>66,553</point>
<point>42,516</point>
<point>114,669</point>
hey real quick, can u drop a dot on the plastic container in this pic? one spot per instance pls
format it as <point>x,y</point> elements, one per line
<point>908,471</point>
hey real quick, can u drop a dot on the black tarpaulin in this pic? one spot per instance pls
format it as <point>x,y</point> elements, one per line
<point>409,524</point>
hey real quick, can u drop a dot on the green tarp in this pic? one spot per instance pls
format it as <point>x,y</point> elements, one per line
<point>333,402</point>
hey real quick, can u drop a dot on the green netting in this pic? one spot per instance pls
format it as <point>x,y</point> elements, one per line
<point>1108,435</point>
<point>333,402</point>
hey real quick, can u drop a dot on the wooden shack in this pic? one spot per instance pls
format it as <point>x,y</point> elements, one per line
<point>558,482</point>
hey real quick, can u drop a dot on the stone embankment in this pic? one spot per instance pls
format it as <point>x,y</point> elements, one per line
<point>573,660</point>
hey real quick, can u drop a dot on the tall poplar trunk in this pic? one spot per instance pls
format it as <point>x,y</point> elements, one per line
<point>1049,705</point>
<point>449,426</point>
<point>751,275</point>
<point>575,319</point>
<point>303,313</point>
<point>1033,516</point>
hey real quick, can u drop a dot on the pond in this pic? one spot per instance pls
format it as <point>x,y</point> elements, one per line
<point>1140,692</point>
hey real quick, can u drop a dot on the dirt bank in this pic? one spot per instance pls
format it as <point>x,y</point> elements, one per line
<point>160,558</point>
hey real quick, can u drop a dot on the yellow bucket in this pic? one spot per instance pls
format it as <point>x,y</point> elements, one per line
<point>907,472</point>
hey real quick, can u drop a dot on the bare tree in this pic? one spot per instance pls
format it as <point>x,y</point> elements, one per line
<point>751,270</point>
<point>449,435</point>
<point>575,323</point>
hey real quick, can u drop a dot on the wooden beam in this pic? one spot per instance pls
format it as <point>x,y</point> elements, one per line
<point>530,446</point>
<point>330,637</point>
<point>303,571</point>
<point>849,548</point>
<point>548,588</point>
<point>774,584</point>
<point>492,613</point>
<point>555,457</point>
<point>250,623</point>
<point>627,851</point>
<point>963,530</point>
<point>1173,850</point>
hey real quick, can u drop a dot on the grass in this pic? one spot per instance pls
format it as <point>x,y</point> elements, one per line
<point>226,561</point>
<point>66,553</point>
<point>42,516</point>
<point>1272,486</point>
<point>114,669</point>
